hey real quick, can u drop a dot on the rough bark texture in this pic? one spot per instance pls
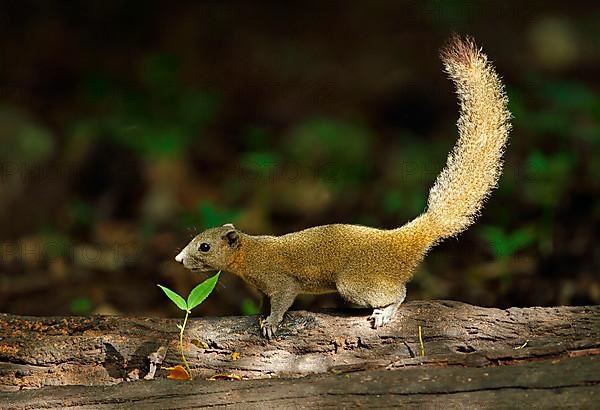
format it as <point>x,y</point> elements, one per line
<point>474,357</point>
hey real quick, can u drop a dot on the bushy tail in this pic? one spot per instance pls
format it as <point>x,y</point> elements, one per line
<point>475,164</point>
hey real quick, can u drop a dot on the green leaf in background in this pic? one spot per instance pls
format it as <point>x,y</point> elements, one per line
<point>178,300</point>
<point>249,307</point>
<point>260,162</point>
<point>212,216</point>
<point>570,95</point>
<point>506,244</point>
<point>201,291</point>
<point>81,306</point>
<point>55,243</point>
<point>548,177</point>
<point>80,213</point>
<point>23,141</point>
<point>207,215</point>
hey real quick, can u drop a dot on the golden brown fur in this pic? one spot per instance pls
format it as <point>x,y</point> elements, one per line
<point>369,266</point>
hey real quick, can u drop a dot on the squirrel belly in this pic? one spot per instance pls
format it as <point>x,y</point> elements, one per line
<point>368,266</point>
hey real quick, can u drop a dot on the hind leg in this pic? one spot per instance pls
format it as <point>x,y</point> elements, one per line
<point>384,297</point>
<point>381,316</point>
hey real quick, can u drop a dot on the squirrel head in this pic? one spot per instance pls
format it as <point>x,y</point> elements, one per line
<point>214,249</point>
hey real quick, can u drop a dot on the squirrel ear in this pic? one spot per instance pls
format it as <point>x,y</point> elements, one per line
<point>233,238</point>
<point>229,226</point>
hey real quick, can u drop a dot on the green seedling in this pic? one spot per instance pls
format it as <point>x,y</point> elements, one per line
<point>196,296</point>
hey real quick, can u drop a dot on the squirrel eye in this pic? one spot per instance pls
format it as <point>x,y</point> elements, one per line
<point>204,247</point>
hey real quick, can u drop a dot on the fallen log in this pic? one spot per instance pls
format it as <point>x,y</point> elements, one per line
<point>465,353</point>
<point>564,383</point>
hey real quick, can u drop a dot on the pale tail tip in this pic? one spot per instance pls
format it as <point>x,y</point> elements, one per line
<point>459,51</point>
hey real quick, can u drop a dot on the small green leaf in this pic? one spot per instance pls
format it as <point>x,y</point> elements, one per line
<point>178,300</point>
<point>201,292</point>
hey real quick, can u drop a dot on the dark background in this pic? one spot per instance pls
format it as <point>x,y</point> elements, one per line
<point>127,126</point>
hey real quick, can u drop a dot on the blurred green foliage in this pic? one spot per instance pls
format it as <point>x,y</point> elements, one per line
<point>249,307</point>
<point>506,244</point>
<point>338,150</point>
<point>207,215</point>
<point>80,213</point>
<point>22,141</point>
<point>81,306</point>
<point>160,116</point>
<point>548,177</point>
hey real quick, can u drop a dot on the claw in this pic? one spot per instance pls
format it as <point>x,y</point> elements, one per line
<point>376,318</point>
<point>268,330</point>
<point>381,316</point>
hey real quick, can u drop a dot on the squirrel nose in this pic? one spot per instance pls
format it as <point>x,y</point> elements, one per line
<point>179,258</point>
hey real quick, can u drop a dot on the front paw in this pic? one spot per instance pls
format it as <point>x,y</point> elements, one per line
<point>268,327</point>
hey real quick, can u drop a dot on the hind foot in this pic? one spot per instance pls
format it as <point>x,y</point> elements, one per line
<point>381,316</point>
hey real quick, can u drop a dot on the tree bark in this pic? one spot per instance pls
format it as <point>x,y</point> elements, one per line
<point>473,356</point>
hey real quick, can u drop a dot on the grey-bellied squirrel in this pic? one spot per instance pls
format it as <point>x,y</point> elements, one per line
<point>368,266</point>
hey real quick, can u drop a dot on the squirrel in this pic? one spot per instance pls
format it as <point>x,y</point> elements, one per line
<point>368,266</point>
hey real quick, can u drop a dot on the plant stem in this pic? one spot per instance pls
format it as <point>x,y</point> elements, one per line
<point>187,366</point>
<point>421,342</point>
